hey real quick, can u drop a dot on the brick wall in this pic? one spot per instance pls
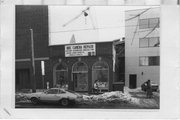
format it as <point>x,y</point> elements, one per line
<point>36,18</point>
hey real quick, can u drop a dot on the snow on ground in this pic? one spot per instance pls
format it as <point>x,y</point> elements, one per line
<point>130,97</point>
<point>20,97</point>
<point>143,101</point>
<point>109,97</point>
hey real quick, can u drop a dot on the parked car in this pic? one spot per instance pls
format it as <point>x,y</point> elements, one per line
<point>55,95</point>
<point>155,87</point>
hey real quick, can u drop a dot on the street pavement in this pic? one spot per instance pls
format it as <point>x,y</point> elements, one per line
<point>80,106</point>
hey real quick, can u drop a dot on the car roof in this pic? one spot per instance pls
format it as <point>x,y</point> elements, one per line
<point>58,89</point>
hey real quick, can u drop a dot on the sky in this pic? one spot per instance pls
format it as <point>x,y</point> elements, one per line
<point>103,23</point>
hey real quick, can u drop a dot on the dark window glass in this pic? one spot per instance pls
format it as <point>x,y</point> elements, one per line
<point>61,67</point>
<point>154,61</point>
<point>61,92</point>
<point>80,66</point>
<point>52,91</point>
<point>121,77</point>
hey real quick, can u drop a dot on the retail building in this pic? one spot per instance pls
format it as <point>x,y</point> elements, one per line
<point>72,66</point>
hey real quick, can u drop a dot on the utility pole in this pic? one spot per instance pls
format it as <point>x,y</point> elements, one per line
<point>32,62</point>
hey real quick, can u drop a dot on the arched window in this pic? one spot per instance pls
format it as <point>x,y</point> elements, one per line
<point>100,71</point>
<point>61,75</point>
<point>80,76</point>
<point>80,67</point>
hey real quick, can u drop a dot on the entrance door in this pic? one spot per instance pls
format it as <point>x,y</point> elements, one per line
<point>132,81</point>
<point>80,76</point>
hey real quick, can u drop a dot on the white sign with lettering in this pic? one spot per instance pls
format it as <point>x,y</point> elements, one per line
<point>80,50</point>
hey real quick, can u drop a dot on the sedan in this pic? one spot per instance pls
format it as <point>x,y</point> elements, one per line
<point>55,95</point>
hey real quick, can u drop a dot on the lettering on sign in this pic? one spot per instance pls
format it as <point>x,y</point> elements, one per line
<point>80,50</point>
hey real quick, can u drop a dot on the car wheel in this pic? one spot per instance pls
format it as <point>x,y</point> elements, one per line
<point>34,101</point>
<point>64,102</point>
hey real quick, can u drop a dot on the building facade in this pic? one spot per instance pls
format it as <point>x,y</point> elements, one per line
<point>72,66</point>
<point>142,46</point>
<point>35,18</point>
<point>77,66</point>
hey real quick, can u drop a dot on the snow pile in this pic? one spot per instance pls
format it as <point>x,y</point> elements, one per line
<point>20,97</point>
<point>108,97</point>
<point>141,100</point>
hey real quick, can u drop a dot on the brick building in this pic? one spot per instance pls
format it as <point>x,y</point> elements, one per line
<point>36,18</point>
<point>73,66</point>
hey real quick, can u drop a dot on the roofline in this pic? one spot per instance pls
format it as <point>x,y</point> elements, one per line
<point>143,8</point>
<point>82,43</point>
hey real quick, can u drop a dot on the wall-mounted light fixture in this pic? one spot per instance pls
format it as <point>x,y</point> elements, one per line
<point>142,73</point>
<point>60,60</point>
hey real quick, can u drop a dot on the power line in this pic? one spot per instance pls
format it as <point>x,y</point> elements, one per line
<point>137,14</point>
<point>75,30</point>
<point>76,17</point>
<point>151,30</point>
<point>135,31</point>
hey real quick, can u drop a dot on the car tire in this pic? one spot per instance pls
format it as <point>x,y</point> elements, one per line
<point>64,102</point>
<point>34,101</point>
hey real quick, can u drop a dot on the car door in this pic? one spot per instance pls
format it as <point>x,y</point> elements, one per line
<point>50,95</point>
<point>62,94</point>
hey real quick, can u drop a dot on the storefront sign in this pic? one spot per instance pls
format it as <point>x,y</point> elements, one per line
<point>80,50</point>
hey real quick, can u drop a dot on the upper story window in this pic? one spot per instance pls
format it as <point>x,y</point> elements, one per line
<point>148,23</point>
<point>149,42</point>
<point>149,61</point>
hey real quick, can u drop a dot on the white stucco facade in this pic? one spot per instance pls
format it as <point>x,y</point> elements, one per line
<point>133,51</point>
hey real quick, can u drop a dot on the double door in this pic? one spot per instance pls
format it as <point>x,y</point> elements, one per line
<point>80,81</point>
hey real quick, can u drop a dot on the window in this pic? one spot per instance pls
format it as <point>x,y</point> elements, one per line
<point>143,42</point>
<point>149,42</point>
<point>148,23</point>
<point>143,61</point>
<point>100,71</point>
<point>154,42</point>
<point>52,91</point>
<point>61,92</point>
<point>153,22</point>
<point>154,61</point>
<point>80,66</point>
<point>61,75</point>
<point>149,61</point>
<point>143,24</point>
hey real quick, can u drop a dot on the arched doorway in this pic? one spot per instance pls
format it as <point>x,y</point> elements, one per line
<point>100,71</point>
<point>80,76</point>
<point>61,75</point>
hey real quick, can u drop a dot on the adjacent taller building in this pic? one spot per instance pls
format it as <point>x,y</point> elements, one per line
<point>142,46</point>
